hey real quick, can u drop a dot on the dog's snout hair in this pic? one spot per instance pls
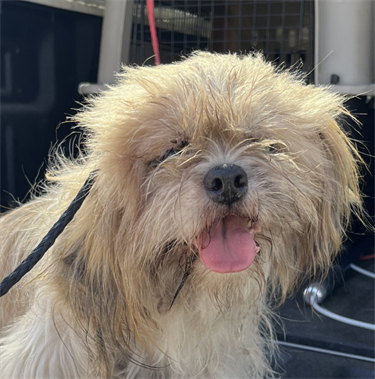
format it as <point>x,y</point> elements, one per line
<point>226,184</point>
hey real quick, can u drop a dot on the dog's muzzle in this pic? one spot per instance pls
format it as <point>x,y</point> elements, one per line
<point>225,184</point>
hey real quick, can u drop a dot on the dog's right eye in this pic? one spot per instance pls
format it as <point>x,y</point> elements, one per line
<point>169,153</point>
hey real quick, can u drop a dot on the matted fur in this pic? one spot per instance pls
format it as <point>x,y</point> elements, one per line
<point>99,304</point>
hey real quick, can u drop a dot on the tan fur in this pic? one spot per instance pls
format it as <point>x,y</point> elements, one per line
<point>101,297</point>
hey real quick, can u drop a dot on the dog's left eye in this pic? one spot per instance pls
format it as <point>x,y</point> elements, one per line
<point>274,148</point>
<point>269,149</point>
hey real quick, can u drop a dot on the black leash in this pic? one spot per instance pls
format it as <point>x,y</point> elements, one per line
<point>49,239</point>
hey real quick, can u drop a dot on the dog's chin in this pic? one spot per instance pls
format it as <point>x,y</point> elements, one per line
<point>228,245</point>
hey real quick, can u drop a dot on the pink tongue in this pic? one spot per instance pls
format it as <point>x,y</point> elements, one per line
<point>228,247</point>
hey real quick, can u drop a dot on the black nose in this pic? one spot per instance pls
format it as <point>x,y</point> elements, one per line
<point>225,184</point>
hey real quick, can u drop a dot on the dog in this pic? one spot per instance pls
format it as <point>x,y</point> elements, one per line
<point>221,182</point>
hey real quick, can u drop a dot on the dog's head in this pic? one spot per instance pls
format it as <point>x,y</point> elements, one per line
<point>221,158</point>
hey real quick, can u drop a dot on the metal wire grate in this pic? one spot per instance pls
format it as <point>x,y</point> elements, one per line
<point>282,29</point>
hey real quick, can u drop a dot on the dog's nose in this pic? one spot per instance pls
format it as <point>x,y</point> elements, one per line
<point>225,184</point>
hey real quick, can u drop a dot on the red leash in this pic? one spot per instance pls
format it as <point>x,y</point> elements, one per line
<point>154,37</point>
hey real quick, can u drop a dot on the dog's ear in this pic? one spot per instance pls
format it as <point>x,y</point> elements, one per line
<point>313,252</point>
<point>340,196</point>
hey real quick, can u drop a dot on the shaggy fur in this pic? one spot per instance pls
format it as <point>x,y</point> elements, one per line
<point>124,292</point>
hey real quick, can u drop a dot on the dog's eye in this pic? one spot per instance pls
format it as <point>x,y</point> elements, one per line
<point>169,153</point>
<point>274,148</point>
<point>269,149</point>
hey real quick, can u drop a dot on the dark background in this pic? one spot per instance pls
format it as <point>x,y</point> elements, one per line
<point>45,54</point>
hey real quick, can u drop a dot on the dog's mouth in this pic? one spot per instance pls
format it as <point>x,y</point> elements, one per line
<point>229,245</point>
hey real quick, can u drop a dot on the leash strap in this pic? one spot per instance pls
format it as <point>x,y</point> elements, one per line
<point>49,239</point>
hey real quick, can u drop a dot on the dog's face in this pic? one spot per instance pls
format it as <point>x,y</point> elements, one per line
<point>223,159</point>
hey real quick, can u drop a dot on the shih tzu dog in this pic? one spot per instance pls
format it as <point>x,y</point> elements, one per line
<point>220,182</point>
